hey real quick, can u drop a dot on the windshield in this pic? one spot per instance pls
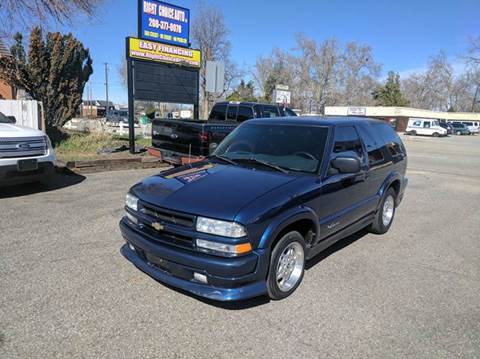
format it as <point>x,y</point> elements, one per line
<point>291,147</point>
<point>435,123</point>
<point>4,119</point>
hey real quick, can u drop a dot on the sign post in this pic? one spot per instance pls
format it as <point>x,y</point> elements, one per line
<point>161,66</point>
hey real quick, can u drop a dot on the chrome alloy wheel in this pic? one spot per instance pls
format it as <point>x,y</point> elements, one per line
<point>387,212</point>
<point>290,266</point>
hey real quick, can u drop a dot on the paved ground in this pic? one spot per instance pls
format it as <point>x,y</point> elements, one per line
<point>415,292</point>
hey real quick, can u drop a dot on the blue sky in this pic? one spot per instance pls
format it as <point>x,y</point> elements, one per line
<point>402,33</point>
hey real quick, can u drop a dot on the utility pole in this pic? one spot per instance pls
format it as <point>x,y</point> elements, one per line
<point>106,89</point>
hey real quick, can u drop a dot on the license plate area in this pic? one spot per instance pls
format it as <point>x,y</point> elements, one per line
<point>27,165</point>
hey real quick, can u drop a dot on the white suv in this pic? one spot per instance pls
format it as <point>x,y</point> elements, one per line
<point>26,155</point>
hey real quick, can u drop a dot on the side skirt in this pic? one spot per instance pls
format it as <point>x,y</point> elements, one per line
<point>349,230</point>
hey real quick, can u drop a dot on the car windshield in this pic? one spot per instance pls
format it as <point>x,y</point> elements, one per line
<point>435,123</point>
<point>4,119</point>
<point>290,147</point>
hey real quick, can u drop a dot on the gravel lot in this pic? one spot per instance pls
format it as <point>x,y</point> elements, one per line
<point>415,292</point>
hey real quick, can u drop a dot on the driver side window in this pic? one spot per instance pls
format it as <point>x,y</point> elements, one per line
<point>347,142</point>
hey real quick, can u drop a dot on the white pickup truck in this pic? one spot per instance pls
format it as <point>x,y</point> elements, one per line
<point>26,154</point>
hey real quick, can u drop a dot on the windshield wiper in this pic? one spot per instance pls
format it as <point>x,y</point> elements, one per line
<point>223,158</point>
<point>266,164</point>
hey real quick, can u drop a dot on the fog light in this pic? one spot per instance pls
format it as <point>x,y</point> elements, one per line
<point>131,247</point>
<point>202,278</point>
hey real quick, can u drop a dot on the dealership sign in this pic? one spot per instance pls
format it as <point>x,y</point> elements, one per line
<point>159,21</point>
<point>155,51</point>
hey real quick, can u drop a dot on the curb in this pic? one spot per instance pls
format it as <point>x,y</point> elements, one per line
<point>106,165</point>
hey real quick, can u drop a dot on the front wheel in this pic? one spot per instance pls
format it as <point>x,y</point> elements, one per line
<point>458,133</point>
<point>384,218</point>
<point>436,134</point>
<point>287,266</point>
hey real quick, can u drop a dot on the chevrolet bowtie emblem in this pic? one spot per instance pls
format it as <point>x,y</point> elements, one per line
<point>157,226</point>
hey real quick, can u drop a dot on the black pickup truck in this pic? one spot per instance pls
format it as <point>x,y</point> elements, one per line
<point>179,141</point>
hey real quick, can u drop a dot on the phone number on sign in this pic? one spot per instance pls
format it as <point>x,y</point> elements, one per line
<point>164,25</point>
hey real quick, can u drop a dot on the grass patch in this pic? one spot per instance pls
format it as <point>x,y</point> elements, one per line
<point>85,146</point>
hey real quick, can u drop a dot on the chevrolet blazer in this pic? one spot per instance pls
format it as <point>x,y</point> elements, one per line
<point>275,193</point>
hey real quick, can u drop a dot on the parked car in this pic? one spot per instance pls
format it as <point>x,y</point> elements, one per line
<point>446,126</point>
<point>460,129</point>
<point>425,127</point>
<point>471,125</point>
<point>275,193</point>
<point>26,155</point>
<point>183,140</point>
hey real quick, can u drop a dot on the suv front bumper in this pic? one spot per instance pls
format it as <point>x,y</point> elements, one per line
<point>10,175</point>
<point>228,279</point>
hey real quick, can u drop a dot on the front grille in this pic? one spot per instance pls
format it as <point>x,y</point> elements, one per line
<point>22,147</point>
<point>167,216</point>
<point>177,227</point>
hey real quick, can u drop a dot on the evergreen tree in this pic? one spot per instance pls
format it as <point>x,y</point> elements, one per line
<point>390,93</point>
<point>243,92</point>
<point>54,72</point>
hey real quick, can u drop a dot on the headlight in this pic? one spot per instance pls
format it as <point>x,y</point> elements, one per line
<point>222,248</point>
<point>131,202</point>
<point>220,228</point>
<point>47,141</point>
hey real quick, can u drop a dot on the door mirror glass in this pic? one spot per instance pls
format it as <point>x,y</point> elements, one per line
<point>348,164</point>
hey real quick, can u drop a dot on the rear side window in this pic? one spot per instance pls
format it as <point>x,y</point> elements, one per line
<point>218,113</point>
<point>373,143</point>
<point>232,113</point>
<point>244,113</point>
<point>392,142</point>
<point>270,111</point>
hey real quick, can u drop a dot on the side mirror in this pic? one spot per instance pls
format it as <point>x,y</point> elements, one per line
<point>347,164</point>
<point>12,119</point>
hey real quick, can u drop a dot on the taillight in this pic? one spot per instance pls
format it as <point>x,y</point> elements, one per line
<point>203,136</point>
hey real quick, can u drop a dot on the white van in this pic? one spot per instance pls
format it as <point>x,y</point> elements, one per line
<point>425,127</point>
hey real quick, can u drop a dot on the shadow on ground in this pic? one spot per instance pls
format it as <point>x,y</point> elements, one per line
<point>57,181</point>
<point>258,301</point>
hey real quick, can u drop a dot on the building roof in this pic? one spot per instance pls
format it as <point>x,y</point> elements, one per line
<point>381,111</point>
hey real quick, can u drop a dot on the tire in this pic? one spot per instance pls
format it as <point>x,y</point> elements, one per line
<point>293,267</point>
<point>413,133</point>
<point>380,224</point>
<point>458,133</point>
<point>436,134</point>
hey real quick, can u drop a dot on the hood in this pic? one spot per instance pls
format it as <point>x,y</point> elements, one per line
<point>209,189</point>
<point>10,130</point>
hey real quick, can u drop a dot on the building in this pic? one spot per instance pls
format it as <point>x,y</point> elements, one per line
<point>398,116</point>
<point>96,108</point>
<point>7,92</point>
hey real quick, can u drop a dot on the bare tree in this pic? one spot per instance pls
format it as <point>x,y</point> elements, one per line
<point>320,74</point>
<point>474,51</point>
<point>210,36</point>
<point>27,13</point>
<point>439,88</point>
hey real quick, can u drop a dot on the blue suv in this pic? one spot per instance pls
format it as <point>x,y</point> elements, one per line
<point>275,193</point>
